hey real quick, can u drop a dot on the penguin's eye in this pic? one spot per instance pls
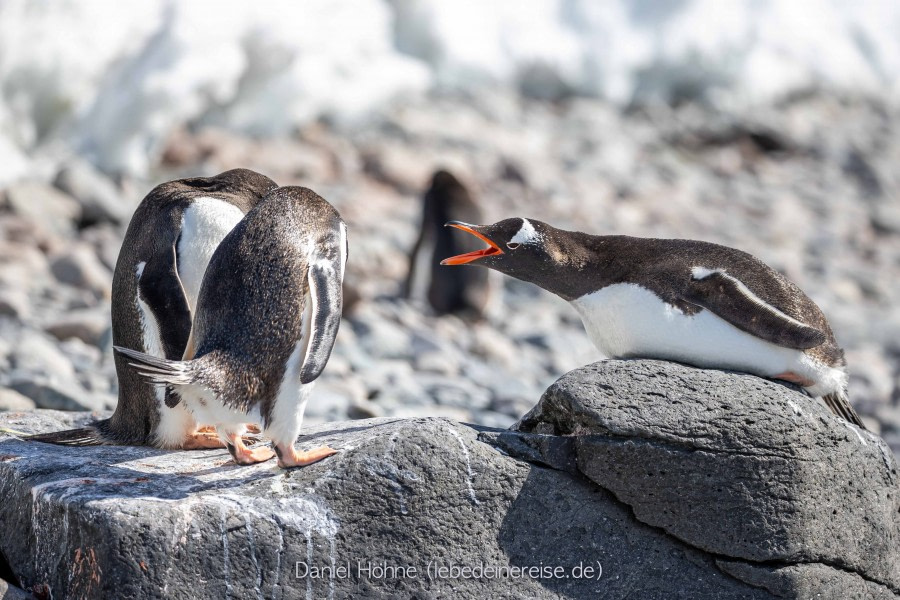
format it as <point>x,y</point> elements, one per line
<point>512,245</point>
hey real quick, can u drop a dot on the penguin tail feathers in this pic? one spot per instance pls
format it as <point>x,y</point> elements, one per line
<point>157,370</point>
<point>839,404</point>
<point>92,435</point>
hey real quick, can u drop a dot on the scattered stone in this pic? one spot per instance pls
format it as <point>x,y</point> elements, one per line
<point>886,218</point>
<point>106,239</point>
<point>100,201</point>
<point>11,400</point>
<point>730,177</point>
<point>362,408</point>
<point>50,393</point>
<point>400,166</point>
<point>45,206</point>
<point>80,267</point>
<point>37,354</point>
<point>871,377</point>
<point>443,363</point>
<point>328,400</point>
<point>14,303</point>
<point>88,326</point>
<point>382,339</point>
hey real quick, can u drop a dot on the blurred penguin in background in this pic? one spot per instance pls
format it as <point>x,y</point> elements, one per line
<point>463,292</point>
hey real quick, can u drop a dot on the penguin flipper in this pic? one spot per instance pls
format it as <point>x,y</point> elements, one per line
<point>729,298</point>
<point>82,436</point>
<point>325,293</point>
<point>159,286</point>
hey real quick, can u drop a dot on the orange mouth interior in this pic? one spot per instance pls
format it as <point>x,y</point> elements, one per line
<point>462,259</point>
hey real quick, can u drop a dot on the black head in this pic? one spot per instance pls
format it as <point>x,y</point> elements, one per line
<point>444,180</point>
<point>518,247</point>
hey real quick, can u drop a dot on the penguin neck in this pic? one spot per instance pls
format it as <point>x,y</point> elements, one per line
<point>583,263</point>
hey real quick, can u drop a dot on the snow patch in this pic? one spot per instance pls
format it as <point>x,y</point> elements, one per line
<point>112,81</point>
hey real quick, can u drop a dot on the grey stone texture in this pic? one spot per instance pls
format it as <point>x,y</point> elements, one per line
<point>739,467</point>
<point>668,482</point>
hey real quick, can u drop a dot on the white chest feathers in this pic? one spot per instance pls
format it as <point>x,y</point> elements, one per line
<point>205,223</point>
<point>626,320</point>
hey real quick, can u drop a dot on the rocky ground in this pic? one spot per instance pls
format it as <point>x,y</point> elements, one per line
<point>809,185</point>
<point>681,484</point>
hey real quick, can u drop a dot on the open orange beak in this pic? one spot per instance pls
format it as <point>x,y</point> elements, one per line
<point>491,250</point>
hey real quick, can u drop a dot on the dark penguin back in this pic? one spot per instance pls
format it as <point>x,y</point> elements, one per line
<point>151,238</point>
<point>252,301</point>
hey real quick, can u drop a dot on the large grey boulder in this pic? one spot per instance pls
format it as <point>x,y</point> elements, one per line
<point>676,482</point>
<point>401,494</point>
<point>785,495</point>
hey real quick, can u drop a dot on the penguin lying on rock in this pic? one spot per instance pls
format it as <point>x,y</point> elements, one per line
<point>169,243</point>
<point>683,300</point>
<point>266,319</point>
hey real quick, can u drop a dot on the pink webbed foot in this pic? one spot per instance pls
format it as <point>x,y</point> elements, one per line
<point>794,378</point>
<point>243,455</point>
<point>289,458</point>
<point>201,440</point>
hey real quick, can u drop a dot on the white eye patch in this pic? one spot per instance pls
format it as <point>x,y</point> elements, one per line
<point>526,234</point>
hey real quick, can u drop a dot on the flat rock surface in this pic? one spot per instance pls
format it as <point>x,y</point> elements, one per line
<point>403,507</point>
<point>741,467</point>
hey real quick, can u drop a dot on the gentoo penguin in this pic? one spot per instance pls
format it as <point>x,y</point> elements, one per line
<point>169,242</point>
<point>683,300</point>
<point>449,291</point>
<point>266,320</point>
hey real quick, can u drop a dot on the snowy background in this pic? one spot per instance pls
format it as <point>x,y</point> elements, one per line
<point>111,80</point>
<point>767,125</point>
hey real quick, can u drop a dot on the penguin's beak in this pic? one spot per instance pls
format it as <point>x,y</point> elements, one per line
<point>492,249</point>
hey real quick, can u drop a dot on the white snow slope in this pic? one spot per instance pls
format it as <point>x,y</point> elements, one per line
<point>111,80</point>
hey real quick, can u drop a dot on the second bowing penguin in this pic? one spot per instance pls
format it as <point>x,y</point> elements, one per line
<point>267,317</point>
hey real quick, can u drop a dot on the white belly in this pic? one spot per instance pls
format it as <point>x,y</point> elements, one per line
<point>205,224</point>
<point>174,423</point>
<point>289,405</point>
<point>626,320</point>
<point>208,410</point>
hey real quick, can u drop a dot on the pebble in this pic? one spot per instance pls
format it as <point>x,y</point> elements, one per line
<point>80,267</point>
<point>39,355</point>
<point>23,269</point>
<point>435,361</point>
<point>364,409</point>
<point>11,400</point>
<point>106,240</point>
<point>98,197</point>
<point>48,393</point>
<point>886,218</point>
<point>871,377</point>
<point>45,206</point>
<point>87,325</point>
<point>382,339</point>
<point>14,303</point>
